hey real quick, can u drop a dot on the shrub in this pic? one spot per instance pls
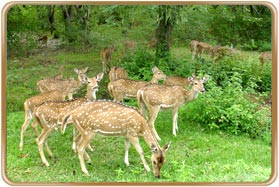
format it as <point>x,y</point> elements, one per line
<point>228,109</point>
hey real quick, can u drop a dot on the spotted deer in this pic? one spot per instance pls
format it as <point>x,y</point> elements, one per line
<point>50,114</point>
<point>203,47</point>
<point>193,48</point>
<point>179,81</point>
<point>47,85</point>
<point>155,97</point>
<point>126,88</point>
<point>265,57</point>
<point>114,119</point>
<point>33,102</point>
<point>106,56</point>
<point>117,73</point>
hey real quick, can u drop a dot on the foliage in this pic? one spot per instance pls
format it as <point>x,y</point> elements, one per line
<point>229,109</point>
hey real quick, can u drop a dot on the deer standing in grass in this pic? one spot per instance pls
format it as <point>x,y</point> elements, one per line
<point>114,119</point>
<point>155,97</point>
<point>106,56</point>
<point>50,114</point>
<point>203,47</point>
<point>47,85</point>
<point>33,102</point>
<point>193,48</point>
<point>265,57</point>
<point>117,73</point>
<point>126,88</point>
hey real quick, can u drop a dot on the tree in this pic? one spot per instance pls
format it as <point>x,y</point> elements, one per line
<point>167,16</point>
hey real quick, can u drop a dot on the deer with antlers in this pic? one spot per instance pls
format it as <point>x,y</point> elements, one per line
<point>114,119</point>
<point>126,88</point>
<point>155,97</point>
<point>50,114</point>
<point>47,85</point>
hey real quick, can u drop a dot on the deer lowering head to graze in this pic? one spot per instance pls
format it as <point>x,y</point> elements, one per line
<point>203,47</point>
<point>33,102</point>
<point>117,73</point>
<point>47,85</point>
<point>114,119</point>
<point>193,47</point>
<point>106,56</point>
<point>126,88</point>
<point>49,115</point>
<point>178,81</point>
<point>155,97</point>
<point>265,57</point>
<point>218,52</point>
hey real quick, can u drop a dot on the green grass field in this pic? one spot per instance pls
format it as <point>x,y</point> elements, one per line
<point>196,155</point>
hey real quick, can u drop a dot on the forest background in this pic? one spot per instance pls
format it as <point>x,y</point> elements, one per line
<point>236,105</point>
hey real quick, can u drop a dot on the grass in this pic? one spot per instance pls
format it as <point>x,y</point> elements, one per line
<point>196,155</point>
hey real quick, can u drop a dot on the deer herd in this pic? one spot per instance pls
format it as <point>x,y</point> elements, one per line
<point>51,110</point>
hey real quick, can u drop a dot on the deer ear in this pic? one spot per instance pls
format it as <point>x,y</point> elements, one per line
<point>190,79</point>
<point>205,79</point>
<point>100,76</point>
<point>76,70</point>
<point>153,149</point>
<point>154,69</point>
<point>85,70</point>
<point>166,147</point>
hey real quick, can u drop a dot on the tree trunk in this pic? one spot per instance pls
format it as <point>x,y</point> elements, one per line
<point>167,17</point>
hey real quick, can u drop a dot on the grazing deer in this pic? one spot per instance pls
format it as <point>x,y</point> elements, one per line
<point>47,85</point>
<point>178,81</point>
<point>33,102</point>
<point>126,88</point>
<point>50,114</point>
<point>106,56</point>
<point>222,51</point>
<point>114,119</point>
<point>203,47</point>
<point>193,47</point>
<point>265,57</point>
<point>117,73</point>
<point>156,97</point>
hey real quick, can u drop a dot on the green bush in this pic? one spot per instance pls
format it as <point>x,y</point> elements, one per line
<point>228,109</point>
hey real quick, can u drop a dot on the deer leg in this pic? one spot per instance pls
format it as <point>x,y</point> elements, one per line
<point>50,154</point>
<point>28,117</point>
<point>34,126</point>
<point>76,140</point>
<point>153,115</point>
<point>127,146</point>
<point>81,151</point>
<point>174,121</point>
<point>135,142</point>
<point>40,141</point>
